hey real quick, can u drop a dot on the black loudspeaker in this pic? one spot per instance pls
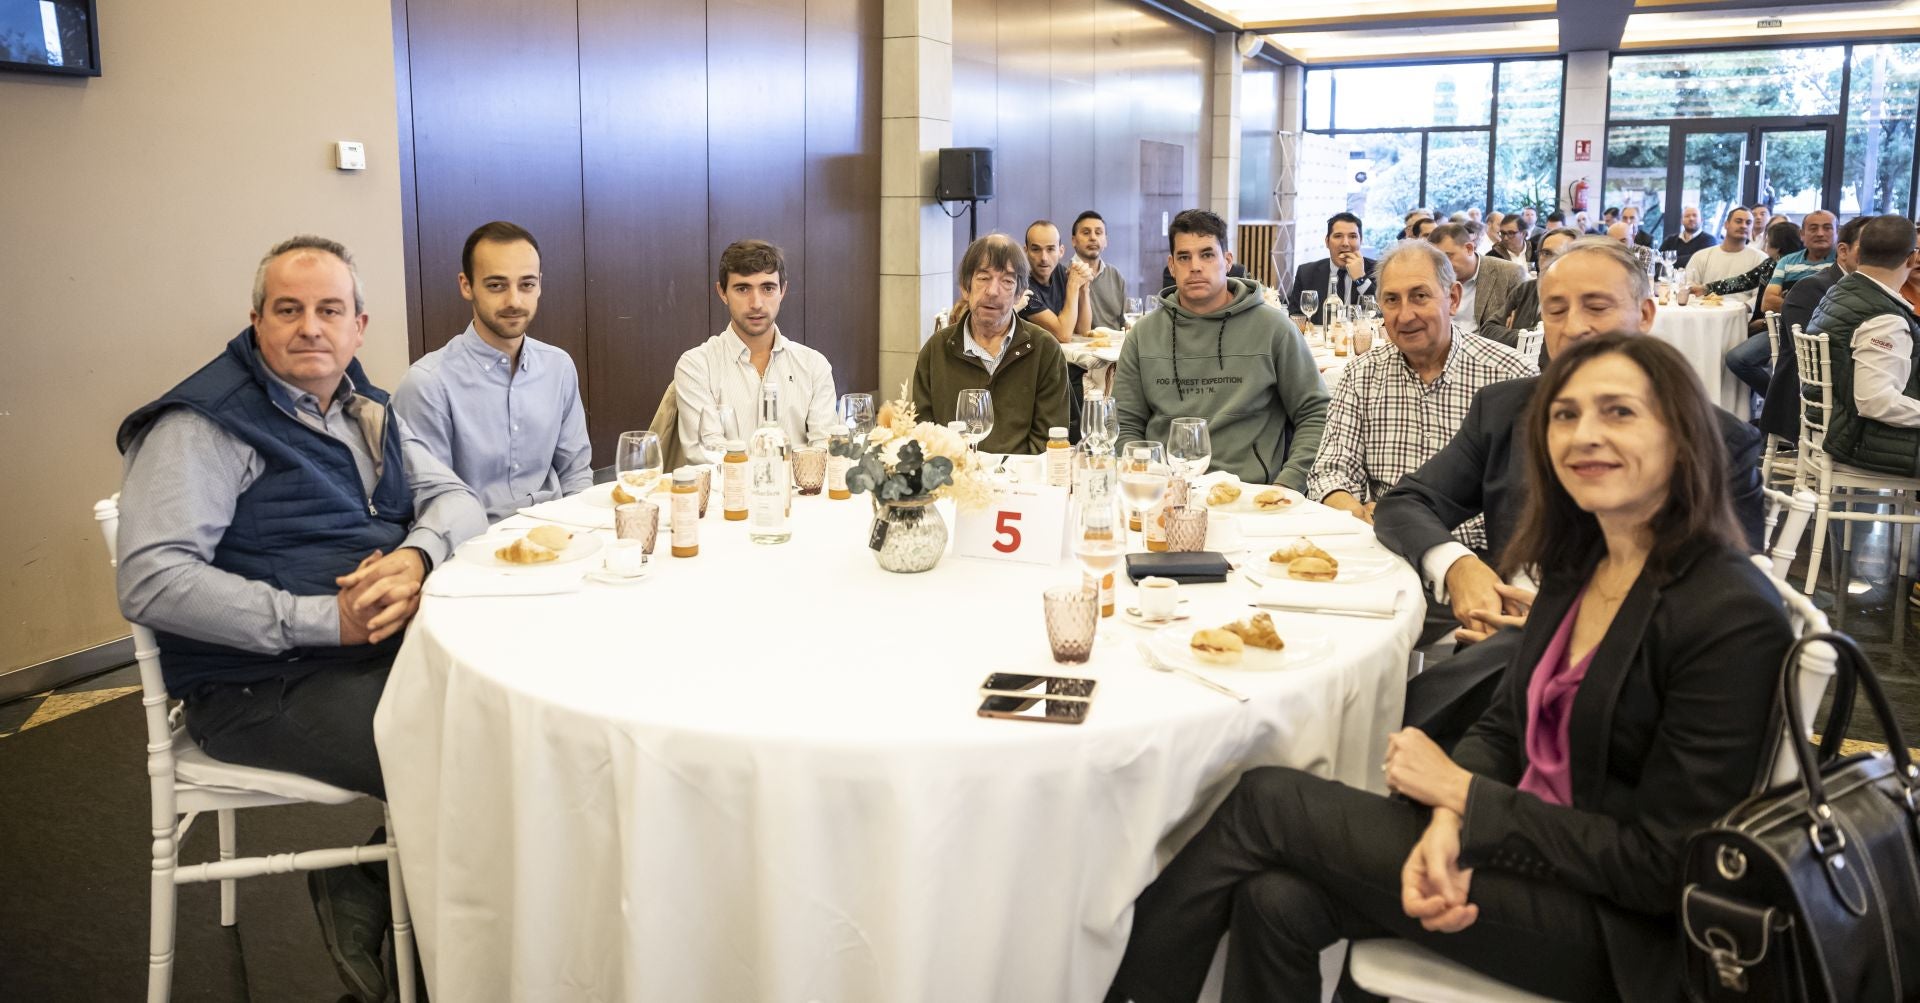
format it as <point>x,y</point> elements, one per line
<point>966,174</point>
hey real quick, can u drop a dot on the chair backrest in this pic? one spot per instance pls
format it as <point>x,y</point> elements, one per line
<point>1817,663</point>
<point>153,686</point>
<point>1816,385</point>
<point>666,425</point>
<point>1773,340</point>
<point>1529,342</point>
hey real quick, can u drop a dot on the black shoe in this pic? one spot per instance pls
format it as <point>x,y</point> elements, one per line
<point>354,916</point>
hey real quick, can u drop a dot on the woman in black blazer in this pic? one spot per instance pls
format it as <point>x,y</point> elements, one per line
<point>1546,852</point>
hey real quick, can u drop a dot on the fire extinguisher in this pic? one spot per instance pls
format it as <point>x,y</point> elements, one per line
<point>1577,195</point>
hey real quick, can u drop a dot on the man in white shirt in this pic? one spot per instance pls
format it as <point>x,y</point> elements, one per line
<point>1732,256</point>
<point>1872,334</point>
<point>731,367</point>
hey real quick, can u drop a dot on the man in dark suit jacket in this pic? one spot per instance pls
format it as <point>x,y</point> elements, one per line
<point>1344,272</point>
<point>1596,286</point>
<point>1781,415</point>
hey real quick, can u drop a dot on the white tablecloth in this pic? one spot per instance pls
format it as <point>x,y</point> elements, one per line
<point>759,775</point>
<point>1703,334</point>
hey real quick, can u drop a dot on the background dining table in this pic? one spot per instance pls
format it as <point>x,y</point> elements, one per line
<point>758,773</point>
<point>1704,334</point>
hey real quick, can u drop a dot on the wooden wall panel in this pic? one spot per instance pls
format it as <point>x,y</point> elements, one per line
<point>756,138</point>
<point>496,134</point>
<point>842,251</point>
<point>1065,91</point>
<point>643,111</point>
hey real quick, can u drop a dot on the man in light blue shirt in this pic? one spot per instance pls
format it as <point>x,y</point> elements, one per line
<point>499,407</point>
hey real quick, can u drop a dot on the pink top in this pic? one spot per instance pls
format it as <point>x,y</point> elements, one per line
<point>1550,695</point>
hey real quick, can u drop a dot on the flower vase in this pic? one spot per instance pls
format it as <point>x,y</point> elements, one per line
<point>915,535</point>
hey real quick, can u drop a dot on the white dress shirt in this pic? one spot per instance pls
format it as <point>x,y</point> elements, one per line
<point>1716,263</point>
<point>1463,318</point>
<point>1882,364</point>
<point>720,371</point>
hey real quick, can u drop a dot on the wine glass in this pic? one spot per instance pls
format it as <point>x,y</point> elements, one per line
<point>1143,475</point>
<point>1098,538</point>
<point>975,407</point>
<point>856,412</point>
<point>1190,446</point>
<point>1309,305</point>
<point>638,462</point>
<point>1669,258</point>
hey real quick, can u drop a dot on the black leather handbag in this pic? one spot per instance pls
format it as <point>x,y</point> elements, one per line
<point>1810,890</point>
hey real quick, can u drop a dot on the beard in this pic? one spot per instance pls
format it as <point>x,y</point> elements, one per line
<point>503,329</point>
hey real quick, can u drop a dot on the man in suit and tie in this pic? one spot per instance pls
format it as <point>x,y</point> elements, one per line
<point>1595,286</point>
<point>1344,273</point>
<point>1486,285</point>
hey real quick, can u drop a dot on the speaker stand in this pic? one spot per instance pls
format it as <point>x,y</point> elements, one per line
<point>973,221</point>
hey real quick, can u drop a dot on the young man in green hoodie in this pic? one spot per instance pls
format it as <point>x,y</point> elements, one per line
<point>1216,350</point>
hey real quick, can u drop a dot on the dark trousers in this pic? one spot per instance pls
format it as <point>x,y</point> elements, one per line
<point>317,723</point>
<point>1291,864</point>
<point>1452,693</point>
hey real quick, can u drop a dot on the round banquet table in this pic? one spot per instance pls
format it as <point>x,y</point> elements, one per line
<point>758,774</point>
<point>1704,334</point>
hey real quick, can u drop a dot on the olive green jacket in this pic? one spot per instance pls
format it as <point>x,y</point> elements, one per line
<point>1029,386</point>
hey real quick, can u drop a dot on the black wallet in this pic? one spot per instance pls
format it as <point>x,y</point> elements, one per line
<point>1191,568</point>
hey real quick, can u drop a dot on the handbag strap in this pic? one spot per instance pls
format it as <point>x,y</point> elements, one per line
<point>1851,667</point>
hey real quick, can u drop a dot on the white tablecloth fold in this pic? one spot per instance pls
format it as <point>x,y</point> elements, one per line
<point>1371,600</point>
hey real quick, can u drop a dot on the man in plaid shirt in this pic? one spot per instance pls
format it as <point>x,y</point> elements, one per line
<point>1399,403</point>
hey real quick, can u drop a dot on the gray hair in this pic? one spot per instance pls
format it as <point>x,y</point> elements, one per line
<point>1440,264</point>
<point>994,252</point>
<point>1617,253</point>
<point>307,242</point>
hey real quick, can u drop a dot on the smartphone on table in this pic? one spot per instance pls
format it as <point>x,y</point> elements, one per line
<point>1021,697</point>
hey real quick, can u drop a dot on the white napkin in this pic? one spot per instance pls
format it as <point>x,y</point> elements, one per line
<point>453,581</point>
<point>576,510</point>
<point>1328,523</point>
<point>1310,596</point>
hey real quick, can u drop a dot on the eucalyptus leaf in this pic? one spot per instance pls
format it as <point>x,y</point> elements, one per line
<point>937,474</point>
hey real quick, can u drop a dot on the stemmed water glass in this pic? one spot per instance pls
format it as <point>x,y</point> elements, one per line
<point>975,407</point>
<point>856,413</point>
<point>1190,447</point>
<point>638,462</point>
<point>1143,476</point>
<point>1309,305</point>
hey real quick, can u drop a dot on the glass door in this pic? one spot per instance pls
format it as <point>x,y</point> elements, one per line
<point>1793,169</point>
<point>1713,172</point>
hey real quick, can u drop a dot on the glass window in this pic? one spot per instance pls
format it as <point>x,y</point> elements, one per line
<point>1386,183</point>
<point>1526,168</point>
<point>1456,171</point>
<point>1742,84</point>
<point>1320,100</point>
<point>1406,97</point>
<point>1636,173</point>
<point>1711,179</point>
<point>1880,117</point>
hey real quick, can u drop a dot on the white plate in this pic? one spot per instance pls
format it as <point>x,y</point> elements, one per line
<point>1304,644</point>
<point>601,495</point>
<point>1354,568</point>
<point>479,550</point>
<point>1243,505</point>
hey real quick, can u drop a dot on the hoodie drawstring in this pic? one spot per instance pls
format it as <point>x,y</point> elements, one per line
<point>1219,353</point>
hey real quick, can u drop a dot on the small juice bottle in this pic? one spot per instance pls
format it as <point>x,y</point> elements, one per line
<point>686,513</point>
<point>733,482</point>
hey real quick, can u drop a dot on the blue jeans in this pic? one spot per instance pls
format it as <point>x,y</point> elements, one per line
<point>317,723</point>
<point>1748,360</point>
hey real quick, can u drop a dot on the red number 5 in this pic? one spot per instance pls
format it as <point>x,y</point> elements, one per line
<point>1005,527</point>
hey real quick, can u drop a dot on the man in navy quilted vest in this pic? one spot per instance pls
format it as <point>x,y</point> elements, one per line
<point>277,522</point>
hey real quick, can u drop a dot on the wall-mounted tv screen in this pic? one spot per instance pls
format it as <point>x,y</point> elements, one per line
<point>49,36</point>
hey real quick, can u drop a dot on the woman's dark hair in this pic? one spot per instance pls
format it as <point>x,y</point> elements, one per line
<point>1556,536</point>
<point>1785,238</point>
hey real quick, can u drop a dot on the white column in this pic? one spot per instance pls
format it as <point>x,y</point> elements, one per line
<point>1224,192</point>
<point>916,237</point>
<point>1585,120</point>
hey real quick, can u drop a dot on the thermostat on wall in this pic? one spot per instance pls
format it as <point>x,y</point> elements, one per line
<point>349,156</point>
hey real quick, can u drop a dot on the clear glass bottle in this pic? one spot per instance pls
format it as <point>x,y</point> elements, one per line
<point>733,482</point>
<point>769,474</point>
<point>837,466</point>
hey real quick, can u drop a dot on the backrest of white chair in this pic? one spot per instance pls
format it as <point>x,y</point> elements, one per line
<point>1817,663</point>
<point>153,686</point>
<point>1529,342</point>
<point>1816,374</point>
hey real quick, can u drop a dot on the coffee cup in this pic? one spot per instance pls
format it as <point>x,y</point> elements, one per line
<point>626,558</point>
<point>1158,598</point>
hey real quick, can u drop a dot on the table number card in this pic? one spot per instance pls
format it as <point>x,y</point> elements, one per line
<point>1023,522</point>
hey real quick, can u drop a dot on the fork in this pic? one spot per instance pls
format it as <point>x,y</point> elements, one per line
<point>1154,662</point>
